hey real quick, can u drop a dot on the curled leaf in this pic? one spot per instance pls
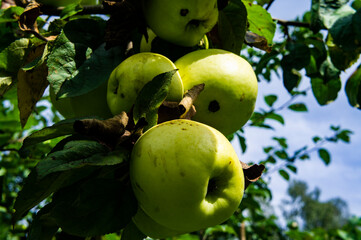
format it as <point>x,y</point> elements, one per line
<point>189,98</point>
<point>107,131</point>
<point>251,173</point>
<point>255,40</point>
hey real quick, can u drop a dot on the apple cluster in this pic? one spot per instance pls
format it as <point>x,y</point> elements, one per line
<point>185,174</point>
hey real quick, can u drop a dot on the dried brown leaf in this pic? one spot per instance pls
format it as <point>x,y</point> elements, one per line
<point>31,85</point>
<point>27,21</point>
<point>257,41</point>
<point>108,132</point>
<point>189,98</point>
<point>251,173</point>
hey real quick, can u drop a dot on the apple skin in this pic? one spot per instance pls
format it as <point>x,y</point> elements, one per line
<point>62,3</point>
<point>186,175</point>
<point>91,104</point>
<point>129,77</point>
<point>229,96</point>
<point>151,228</point>
<point>182,22</point>
<point>146,45</point>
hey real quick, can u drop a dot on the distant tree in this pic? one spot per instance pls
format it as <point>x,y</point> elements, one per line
<point>307,206</point>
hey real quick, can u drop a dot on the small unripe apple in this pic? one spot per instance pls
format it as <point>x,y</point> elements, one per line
<point>91,104</point>
<point>186,176</point>
<point>147,45</point>
<point>130,76</point>
<point>181,22</point>
<point>229,96</point>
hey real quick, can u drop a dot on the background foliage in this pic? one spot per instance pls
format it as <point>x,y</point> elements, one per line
<point>324,42</point>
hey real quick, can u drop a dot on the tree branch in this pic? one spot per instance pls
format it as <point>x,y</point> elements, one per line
<point>292,23</point>
<point>91,9</point>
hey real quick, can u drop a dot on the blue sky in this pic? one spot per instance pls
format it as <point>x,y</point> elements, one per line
<point>342,177</point>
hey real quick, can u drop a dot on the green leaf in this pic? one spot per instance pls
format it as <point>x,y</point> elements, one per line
<point>343,34</point>
<point>89,32</point>
<point>276,117</point>
<point>64,60</point>
<point>325,88</point>
<point>291,78</point>
<point>325,13</point>
<point>93,72</point>
<point>260,21</point>
<point>151,98</point>
<point>281,141</point>
<point>36,190</point>
<point>43,226</point>
<point>298,57</point>
<point>324,155</point>
<point>298,107</point>
<point>284,174</point>
<point>270,99</point>
<point>59,129</point>
<point>242,142</point>
<point>281,154</point>
<point>94,207</point>
<point>5,83</point>
<point>11,58</point>
<point>232,26</point>
<point>10,14</point>
<point>356,4</point>
<point>292,168</point>
<point>76,154</point>
<point>220,229</point>
<point>344,135</point>
<point>353,88</point>
<point>70,10</point>
<point>131,232</point>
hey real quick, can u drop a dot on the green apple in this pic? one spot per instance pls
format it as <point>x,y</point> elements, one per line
<point>182,22</point>
<point>62,3</point>
<point>186,176</point>
<point>129,77</point>
<point>229,96</point>
<point>146,45</point>
<point>151,228</point>
<point>91,104</point>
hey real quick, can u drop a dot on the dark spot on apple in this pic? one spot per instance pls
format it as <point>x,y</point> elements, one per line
<point>213,106</point>
<point>194,23</point>
<point>157,209</point>
<point>184,129</point>
<point>184,12</point>
<point>230,162</point>
<point>242,97</point>
<point>182,174</point>
<point>122,95</point>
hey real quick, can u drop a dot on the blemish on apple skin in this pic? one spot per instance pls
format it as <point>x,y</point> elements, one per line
<point>214,106</point>
<point>184,129</point>
<point>184,12</point>
<point>242,97</point>
<point>157,209</point>
<point>230,162</point>
<point>182,174</point>
<point>122,95</point>
<point>138,186</point>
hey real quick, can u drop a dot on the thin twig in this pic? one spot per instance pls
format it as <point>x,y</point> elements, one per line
<point>269,4</point>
